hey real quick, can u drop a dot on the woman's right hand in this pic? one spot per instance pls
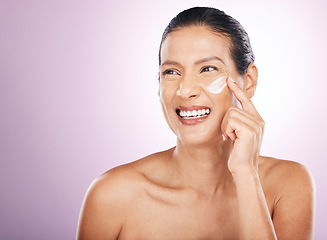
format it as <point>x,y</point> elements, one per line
<point>245,128</point>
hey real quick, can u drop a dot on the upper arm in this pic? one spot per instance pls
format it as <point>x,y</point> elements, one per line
<point>293,215</point>
<point>102,213</point>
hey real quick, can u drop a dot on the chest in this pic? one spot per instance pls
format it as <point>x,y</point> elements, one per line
<point>153,219</point>
<point>162,214</point>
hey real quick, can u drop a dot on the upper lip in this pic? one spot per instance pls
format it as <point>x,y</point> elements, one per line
<point>191,108</point>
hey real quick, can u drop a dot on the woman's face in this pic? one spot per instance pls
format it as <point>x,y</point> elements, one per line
<point>191,59</point>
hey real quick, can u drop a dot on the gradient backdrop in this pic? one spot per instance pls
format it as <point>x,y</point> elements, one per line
<point>78,96</point>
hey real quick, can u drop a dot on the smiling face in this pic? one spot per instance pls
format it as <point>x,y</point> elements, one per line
<point>191,59</point>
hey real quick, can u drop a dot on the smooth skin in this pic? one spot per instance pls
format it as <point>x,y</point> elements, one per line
<point>213,184</point>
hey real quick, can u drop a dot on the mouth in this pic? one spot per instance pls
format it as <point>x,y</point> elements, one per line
<point>193,112</point>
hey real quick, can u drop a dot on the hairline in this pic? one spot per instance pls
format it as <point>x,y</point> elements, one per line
<point>208,27</point>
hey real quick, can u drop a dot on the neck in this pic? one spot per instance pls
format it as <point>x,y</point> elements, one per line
<point>204,168</point>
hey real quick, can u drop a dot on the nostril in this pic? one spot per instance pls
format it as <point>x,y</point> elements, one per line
<point>188,91</point>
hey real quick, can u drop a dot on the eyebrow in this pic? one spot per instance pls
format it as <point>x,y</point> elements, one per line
<point>169,62</point>
<point>203,60</point>
<point>207,59</point>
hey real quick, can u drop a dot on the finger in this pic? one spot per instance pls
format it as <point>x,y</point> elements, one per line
<point>235,128</point>
<point>254,117</point>
<point>232,127</point>
<point>235,123</point>
<point>246,103</point>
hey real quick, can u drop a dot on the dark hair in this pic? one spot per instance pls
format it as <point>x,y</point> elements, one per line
<point>218,22</point>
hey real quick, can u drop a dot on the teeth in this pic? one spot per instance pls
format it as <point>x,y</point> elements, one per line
<point>194,113</point>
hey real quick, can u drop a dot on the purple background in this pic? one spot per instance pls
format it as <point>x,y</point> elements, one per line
<point>78,95</point>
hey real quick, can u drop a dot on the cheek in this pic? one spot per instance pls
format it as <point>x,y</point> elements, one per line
<point>220,93</point>
<point>167,91</point>
<point>217,90</point>
<point>163,105</point>
<point>166,94</point>
<point>218,85</point>
<point>221,101</point>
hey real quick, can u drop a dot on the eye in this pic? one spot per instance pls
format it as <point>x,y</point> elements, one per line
<point>170,72</point>
<point>209,69</point>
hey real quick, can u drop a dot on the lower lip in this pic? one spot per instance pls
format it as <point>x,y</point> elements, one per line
<point>193,121</point>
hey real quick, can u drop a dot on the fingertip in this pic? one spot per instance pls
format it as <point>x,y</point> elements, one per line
<point>231,83</point>
<point>231,79</point>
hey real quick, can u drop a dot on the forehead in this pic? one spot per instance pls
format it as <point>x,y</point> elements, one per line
<point>195,42</point>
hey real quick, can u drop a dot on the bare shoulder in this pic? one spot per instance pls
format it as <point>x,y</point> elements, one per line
<point>129,178</point>
<point>111,196</point>
<point>286,173</point>
<point>123,183</point>
<point>292,188</point>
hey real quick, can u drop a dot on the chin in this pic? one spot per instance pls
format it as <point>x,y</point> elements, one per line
<point>197,137</point>
<point>197,142</point>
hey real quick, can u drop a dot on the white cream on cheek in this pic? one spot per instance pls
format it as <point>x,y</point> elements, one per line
<point>218,85</point>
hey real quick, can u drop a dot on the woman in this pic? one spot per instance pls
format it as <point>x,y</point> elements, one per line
<point>213,184</point>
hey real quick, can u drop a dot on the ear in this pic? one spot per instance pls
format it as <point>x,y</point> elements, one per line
<point>250,80</point>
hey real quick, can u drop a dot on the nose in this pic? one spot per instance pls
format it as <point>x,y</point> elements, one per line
<point>188,88</point>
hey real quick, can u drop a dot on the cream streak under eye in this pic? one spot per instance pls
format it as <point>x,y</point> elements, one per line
<point>218,85</point>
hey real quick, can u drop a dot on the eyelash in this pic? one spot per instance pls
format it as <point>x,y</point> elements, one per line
<point>214,68</point>
<point>175,72</point>
<point>169,70</point>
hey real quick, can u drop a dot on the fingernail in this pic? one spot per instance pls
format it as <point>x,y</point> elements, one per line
<point>224,138</point>
<point>231,79</point>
